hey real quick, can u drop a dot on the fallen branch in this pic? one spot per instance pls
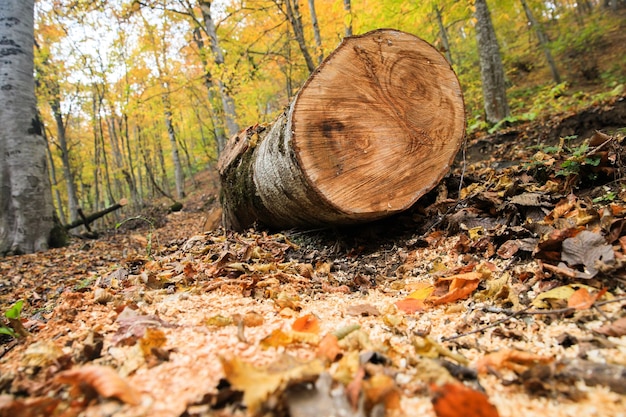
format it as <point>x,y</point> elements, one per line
<point>86,220</point>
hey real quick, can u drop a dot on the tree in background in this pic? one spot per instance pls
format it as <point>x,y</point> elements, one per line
<point>491,68</point>
<point>27,220</point>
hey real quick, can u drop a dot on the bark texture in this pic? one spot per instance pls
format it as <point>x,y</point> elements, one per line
<point>375,127</point>
<point>491,68</point>
<point>26,210</point>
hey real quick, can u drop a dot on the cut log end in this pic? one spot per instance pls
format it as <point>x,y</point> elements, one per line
<point>374,128</point>
<point>379,123</point>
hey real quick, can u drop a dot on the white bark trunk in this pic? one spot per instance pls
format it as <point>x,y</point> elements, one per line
<point>26,210</point>
<point>228,104</point>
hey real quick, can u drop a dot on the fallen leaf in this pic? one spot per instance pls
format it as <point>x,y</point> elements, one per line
<point>410,305</point>
<point>152,339</point>
<point>133,325</point>
<point>258,384</point>
<point>615,329</point>
<point>460,287</point>
<point>328,348</point>
<point>28,407</point>
<point>306,324</point>
<point>276,338</point>
<point>381,389</point>
<point>362,310</point>
<point>454,400</point>
<point>104,380</point>
<point>515,360</point>
<point>585,249</point>
<point>558,297</point>
<point>582,299</point>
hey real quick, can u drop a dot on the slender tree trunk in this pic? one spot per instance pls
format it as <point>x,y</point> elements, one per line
<point>316,32</point>
<point>543,41</point>
<point>53,178</point>
<point>27,217</point>
<point>179,176</point>
<point>220,138</point>
<point>68,176</point>
<point>228,104</point>
<point>443,35</point>
<point>348,8</point>
<point>491,68</point>
<point>295,19</point>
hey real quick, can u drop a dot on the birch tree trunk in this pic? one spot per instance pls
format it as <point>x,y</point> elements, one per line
<point>26,209</point>
<point>348,25</point>
<point>375,127</point>
<point>491,68</point>
<point>228,104</point>
<point>316,32</point>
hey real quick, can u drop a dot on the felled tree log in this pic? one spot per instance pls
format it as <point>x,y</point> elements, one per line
<point>374,128</point>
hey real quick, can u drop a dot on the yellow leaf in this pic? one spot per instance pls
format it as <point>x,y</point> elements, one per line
<point>422,293</point>
<point>258,384</point>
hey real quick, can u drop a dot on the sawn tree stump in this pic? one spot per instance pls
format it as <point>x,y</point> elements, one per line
<point>374,128</point>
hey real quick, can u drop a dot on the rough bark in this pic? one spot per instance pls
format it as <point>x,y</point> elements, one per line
<point>373,129</point>
<point>26,210</point>
<point>491,68</point>
<point>292,11</point>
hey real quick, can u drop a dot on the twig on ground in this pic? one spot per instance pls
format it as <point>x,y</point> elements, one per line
<point>525,312</point>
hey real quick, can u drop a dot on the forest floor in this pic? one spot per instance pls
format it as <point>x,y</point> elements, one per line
<point>501,292</point>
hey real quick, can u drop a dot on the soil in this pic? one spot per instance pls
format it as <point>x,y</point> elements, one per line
<point>501,292</point>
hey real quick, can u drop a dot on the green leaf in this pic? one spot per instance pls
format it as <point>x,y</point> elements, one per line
<point>15,310</point>
<point>8,331</point>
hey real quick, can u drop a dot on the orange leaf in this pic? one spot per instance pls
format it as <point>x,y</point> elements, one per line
<point>453,400</point>
<point>306,324</point>
<point>582,299</point>
<point>329,347</point>
<point>410,305</point>
<point>104,380</point>
<point>515,360</point>
<point>461,286</point>
<point>381,388</point>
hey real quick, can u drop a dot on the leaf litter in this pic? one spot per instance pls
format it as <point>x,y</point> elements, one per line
<point>501,293</point>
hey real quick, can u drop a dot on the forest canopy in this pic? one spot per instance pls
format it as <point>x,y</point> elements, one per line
<point>137,96</point>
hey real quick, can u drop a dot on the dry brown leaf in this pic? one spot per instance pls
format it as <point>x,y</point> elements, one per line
<point>454,400</point>
<point>615,329</point>
<point>514,360</point>
<point>104,380</point>
<point>362,310</point>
